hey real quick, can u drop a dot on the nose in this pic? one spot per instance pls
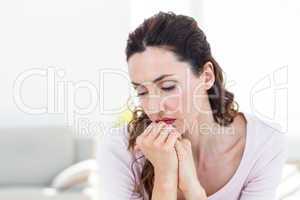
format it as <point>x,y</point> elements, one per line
<point>155,104</point>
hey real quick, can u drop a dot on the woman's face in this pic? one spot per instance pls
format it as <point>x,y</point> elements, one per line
<point>167,88</point>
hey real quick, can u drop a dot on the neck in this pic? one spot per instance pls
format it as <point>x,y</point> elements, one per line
<point>208,137</point>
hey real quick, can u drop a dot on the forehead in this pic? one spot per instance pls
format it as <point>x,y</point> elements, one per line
<point>154,62</point>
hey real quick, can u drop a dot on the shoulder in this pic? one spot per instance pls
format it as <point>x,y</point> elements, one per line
<point>266,155</point>
<point>116,165</point>
<point>112,146</point>
<point>113,141</point>
<point>114,136</point>
<point>267,145</point>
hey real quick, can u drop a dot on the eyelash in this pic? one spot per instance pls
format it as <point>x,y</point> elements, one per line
<point>165,89</point>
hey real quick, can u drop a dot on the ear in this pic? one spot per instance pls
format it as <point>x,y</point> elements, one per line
<point>208,75</point>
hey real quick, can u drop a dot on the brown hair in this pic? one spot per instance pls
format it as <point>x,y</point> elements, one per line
<point>181,35</point>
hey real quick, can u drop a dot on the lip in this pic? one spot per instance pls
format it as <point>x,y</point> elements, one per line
<point>166,120</point>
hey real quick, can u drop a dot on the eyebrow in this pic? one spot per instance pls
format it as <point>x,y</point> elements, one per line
<point>155,80</point>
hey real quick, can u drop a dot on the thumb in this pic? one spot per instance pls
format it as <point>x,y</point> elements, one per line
<point>186,144</point>
<point>179,150</point>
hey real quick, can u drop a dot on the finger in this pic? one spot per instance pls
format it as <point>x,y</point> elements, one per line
<point>148,130</point>
<point>172,138</point>
<point>179,150</point>
<point>141,137</point>
<point>156,131</point>
<point>178,145</point>
<point>186,144</point>
<point>162,137</point>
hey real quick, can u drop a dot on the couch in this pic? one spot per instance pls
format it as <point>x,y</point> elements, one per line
<point>45,162</point>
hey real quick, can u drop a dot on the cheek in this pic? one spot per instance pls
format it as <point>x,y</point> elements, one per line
<point>173,103</point>
<point>181,102</point>
<point>146,107</point>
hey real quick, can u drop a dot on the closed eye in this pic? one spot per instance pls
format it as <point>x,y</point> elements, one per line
<point>164,88</point>
<point>141,94</point>
<point>168,88</point>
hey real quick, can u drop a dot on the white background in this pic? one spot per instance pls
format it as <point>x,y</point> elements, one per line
<point>255,42</point>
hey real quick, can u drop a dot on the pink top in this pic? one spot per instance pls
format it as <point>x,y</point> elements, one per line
<point>256,178</point>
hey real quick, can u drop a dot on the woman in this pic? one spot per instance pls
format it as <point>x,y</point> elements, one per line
<point>187,140</point>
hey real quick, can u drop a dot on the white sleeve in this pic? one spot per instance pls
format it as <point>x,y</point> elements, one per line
<point>116,179</point>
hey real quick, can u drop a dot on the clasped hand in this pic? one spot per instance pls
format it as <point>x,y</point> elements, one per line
<point>172,156</point>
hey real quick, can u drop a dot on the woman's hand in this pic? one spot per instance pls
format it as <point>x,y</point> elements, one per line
<point>188,181</point>
<point>157,143</point>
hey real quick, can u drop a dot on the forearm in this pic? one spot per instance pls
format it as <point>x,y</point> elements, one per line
<point>165,187</point>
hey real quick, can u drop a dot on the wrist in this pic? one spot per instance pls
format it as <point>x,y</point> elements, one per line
<point>165,185</point>
<point>167,173</point>
<point>165,180</point>
<point>195,192</point>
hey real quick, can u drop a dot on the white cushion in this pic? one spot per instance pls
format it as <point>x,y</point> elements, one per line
<point>77,174</point>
